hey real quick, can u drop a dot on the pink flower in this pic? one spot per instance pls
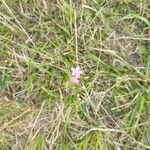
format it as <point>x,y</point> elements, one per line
<point>76,72</point>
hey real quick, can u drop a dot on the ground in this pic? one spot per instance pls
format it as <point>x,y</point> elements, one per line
<point>40,41</point>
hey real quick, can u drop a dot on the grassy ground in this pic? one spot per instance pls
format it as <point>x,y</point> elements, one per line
<point>40,40</point>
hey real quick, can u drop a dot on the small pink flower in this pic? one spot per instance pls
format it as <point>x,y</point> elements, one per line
<point>76,72</point>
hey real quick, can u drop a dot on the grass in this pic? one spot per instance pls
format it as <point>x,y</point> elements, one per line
<point>40,109</point>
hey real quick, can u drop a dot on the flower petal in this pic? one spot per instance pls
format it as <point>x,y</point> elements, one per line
<point>78,68</point>
<point>74,80</point>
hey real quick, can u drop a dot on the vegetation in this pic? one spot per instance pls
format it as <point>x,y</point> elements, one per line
<point>40,41</point>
